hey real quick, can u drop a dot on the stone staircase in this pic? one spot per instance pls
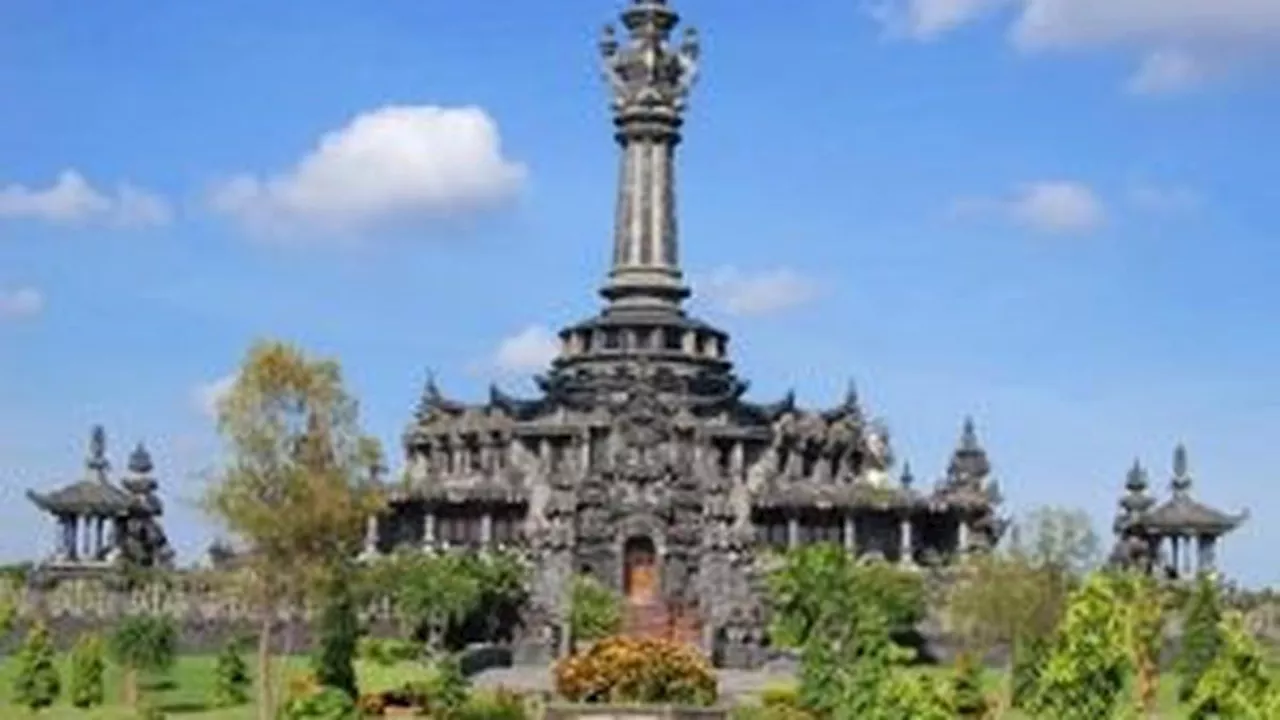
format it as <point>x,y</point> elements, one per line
<point>661,620</point>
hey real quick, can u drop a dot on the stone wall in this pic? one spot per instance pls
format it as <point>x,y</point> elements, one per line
<point>206,618</point>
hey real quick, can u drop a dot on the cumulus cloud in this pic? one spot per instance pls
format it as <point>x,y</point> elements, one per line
<point>20,303</point>
<point>72,200</point>
<point>206,396</point>
<point>1049,206</point>
<point>393,163</point>
<point>1173,38</point>
<point>764,292</point>
<point>530,350</point>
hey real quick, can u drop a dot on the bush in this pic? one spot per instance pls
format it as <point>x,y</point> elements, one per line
<point>1029,654</point>
<point>636,670</point>
<point>595,611</point>
<point>319,703</point>
<point>231,677</point>
<point>499,704</point>
<point>87,689</point>
<point>388,651</point>
<point>36,685</point>
<point>966,688</point>
<point>143,643</point>
<point>448,688</point>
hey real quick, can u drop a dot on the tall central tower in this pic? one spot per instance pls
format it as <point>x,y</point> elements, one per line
<point>649,72</point>
<point>649,82</point>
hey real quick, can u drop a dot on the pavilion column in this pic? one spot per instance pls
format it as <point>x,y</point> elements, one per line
<point>98,534</point>
<point>1207,548</point>
<point>429,529</point>
<point>371,535</point>
<point>67,544</point>
<point>962,537</point>
<point>486,528</point>
<point>793,531</point>
<point>86,537</point>
<point>850,534</point>
<point>1173,555</point>
<point>908,543</point>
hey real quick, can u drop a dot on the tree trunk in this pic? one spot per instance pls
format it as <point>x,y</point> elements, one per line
<point>266,708</point>
<point>131,687</point>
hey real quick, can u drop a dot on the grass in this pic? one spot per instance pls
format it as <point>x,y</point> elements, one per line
<point>186,690</point>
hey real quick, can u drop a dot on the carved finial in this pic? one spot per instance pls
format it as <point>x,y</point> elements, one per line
<point>140,461</point>
<point>907,479</point>
<point>1181,482</point>
<point>851,401</point>
<point>969,435</point>
<point>97,459</point>
<point>1136,480</point>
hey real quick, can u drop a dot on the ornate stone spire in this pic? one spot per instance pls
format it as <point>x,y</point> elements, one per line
<point>1181,482</point>
<point>96,462</point>
<point>140,461</point>
<point>649,80</point>
<point>969,463</point>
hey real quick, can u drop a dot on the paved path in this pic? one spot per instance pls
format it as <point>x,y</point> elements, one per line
<point>537,678</point>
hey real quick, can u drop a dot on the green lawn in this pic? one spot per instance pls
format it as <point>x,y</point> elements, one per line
<point>185,692</point>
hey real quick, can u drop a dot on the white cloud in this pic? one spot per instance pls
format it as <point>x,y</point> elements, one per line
<point>758,293</point>
<point>206,396</point>
<point>1166,71</point>
<point>393,163</point>
<point>530,350</point>
<point>20,303</point>
<point>1049,206</point>
<point>72,200</point>
<point>1198,29</point>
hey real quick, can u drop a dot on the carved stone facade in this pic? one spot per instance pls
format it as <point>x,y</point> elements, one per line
<point>641,462</point>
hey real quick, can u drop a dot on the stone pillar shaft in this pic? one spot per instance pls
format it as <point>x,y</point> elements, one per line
<point>793,531</point>
<point>850,534</point>
<point>908,542</point>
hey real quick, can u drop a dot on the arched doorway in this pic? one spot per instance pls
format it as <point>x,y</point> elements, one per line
<point>640,571</point>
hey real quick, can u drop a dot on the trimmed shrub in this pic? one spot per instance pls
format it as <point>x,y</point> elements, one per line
<point>500,704</point>
<point>966,688</point>
<point>37,684</point>
<point>637,670</point>
<point>88,664</point>
<point>231,677</point>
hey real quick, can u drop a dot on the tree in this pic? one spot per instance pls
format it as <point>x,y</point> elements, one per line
<point>298,483</point>
<point>1087,666</point>
<point>87,689</point>
<point>1059,538</point>
<point>339,633</point>
<point>143,643</point>
<point>1143,605</point>
<point>36,685</point>
<point>231,679</point>
<point>595,611</point>
<point>842,616</point>
<point>1201,635</point>
<point>1237,684</point>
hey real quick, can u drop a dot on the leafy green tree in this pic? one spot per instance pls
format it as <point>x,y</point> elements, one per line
<point>298,484</point>
<point>36,685</point>
<point>1088,664</point>
<point>143,643</point>
<point>595,611</point>
<point>231,681</point>
<point>1201,635</point>
<point>1237,684</point>
<point>1029,656</point>
<point>842,616</point>
<point>339,633</point>
<point>1143,604</point>
<point>88,664</point>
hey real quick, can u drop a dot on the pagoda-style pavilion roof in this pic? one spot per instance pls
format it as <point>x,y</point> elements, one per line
<point>87,497</point>
<point>1183,514</point>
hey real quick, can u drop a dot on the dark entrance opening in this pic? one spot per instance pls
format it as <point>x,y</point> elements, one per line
<point>640,571</point>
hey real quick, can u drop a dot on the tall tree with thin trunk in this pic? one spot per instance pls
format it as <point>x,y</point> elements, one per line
<point>297,484</point>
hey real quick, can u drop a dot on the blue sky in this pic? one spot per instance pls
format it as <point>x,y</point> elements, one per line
<point>1061,222</point>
